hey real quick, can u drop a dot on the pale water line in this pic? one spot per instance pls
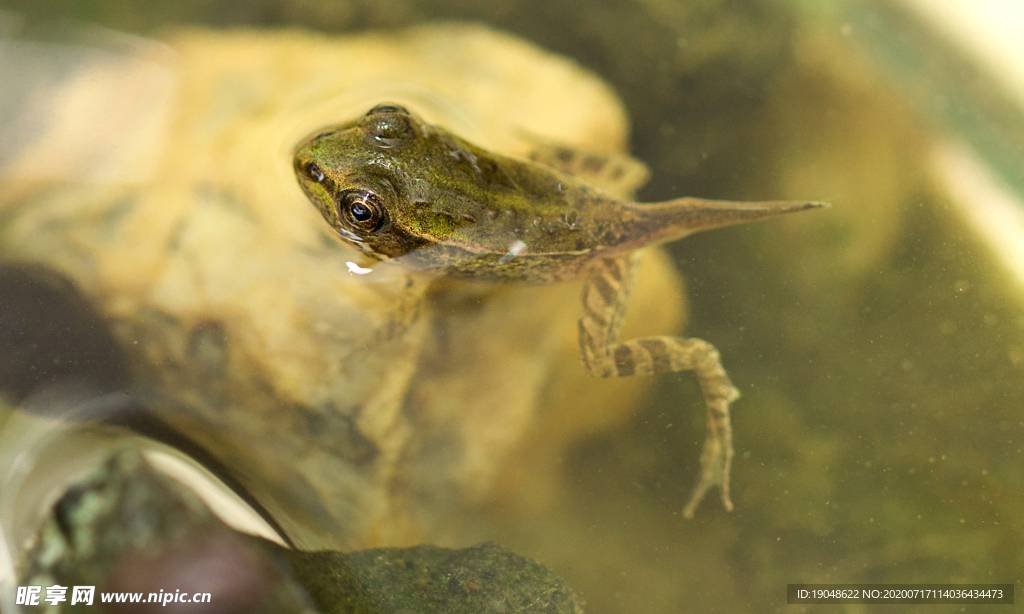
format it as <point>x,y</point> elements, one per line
<point>989,30</point>
<point>986,203</point>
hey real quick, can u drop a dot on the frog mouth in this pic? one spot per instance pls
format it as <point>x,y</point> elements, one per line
<point>353,238</point>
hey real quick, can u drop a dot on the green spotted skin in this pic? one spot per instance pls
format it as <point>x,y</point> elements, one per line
<point>405,191</point>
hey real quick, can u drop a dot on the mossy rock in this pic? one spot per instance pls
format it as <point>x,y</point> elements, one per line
<point>159,180</point>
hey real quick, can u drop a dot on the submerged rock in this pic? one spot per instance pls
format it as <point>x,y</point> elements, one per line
<point>127,528</point>
<point>485,578</point>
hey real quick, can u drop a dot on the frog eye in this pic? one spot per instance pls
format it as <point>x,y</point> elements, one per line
<point>389,131</point>
<point>389,125</point>
<point>361,209</point>
<point>314,172</point>
<point>387,108</point>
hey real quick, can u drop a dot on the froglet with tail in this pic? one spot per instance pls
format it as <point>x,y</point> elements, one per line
<point>401,190</point>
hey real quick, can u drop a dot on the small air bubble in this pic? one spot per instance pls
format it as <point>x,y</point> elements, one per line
<point>517,247</point>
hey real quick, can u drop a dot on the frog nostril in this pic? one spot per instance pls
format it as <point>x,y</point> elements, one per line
<point>315,172</point>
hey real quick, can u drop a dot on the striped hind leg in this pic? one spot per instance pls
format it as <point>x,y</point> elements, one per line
<point>605,298</point>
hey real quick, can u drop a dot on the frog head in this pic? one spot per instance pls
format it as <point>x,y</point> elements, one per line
<point>392,185</point>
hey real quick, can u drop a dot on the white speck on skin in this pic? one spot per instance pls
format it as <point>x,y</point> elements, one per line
<point>355,269</point>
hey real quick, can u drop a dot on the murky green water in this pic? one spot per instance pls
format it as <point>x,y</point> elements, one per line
<point>879,346</point>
